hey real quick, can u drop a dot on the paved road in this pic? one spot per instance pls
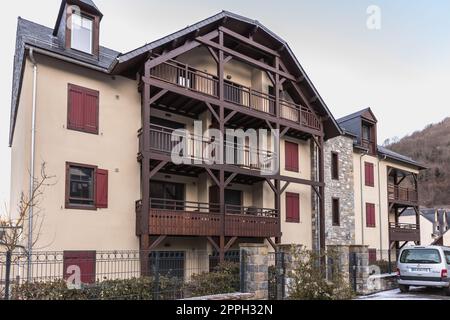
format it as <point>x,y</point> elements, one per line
<point>415,293</point>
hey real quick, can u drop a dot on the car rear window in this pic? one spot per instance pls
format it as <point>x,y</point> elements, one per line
<point>447,256</point>
<point>429,256</point>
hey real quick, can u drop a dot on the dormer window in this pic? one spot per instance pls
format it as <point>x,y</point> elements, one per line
<point>82,33</point>
<point>366,132</point>
<point>368,137</point>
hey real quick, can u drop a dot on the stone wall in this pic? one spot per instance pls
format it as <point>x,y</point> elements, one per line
<point>342,189</point>
<point>255,269</point>
<point>359,264</point>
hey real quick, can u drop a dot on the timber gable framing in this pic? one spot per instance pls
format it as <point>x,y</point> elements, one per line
<point>153,89</point>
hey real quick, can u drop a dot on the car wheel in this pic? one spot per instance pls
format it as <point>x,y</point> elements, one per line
<point>403,288</point>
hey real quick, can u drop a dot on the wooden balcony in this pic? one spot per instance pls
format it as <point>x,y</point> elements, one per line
<point>370,145</point>
<point>192,79</point>
<point>404,232</point>
<point>402,195</point>
<point>184,218</point>
<point>161,141</point>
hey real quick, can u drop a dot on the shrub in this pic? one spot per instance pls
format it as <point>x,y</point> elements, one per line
<point>145,288</point>
<point>308,279</point>
<point>223,279</point>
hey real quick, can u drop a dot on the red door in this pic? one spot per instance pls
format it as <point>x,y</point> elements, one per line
<point>82,261</point>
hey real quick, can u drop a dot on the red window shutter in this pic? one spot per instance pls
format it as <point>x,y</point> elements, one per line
<point>91,112</point>
<point>291,156</point>
<point>76,109</point>
<point>84,260</point>
<point>102,188</point>
<point>369,174</point>
<point>292,207</point>
<point>370,215</point>
<point>372,255</point>
<point>83,109</point>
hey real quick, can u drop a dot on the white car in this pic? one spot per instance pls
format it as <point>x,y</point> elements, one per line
<point>424,266</point>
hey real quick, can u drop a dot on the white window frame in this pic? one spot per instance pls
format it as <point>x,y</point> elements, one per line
<point>82,17</point>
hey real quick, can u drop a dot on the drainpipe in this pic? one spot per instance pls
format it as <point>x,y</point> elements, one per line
<point>379,207</point>
<point>365,153</point>
<point>32,160</point>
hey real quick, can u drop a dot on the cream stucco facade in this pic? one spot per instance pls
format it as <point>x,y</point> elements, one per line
<point>115,149</point>
<point>375,237</point>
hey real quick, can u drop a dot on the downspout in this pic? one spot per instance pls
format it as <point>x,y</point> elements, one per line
<point>362,199</point>
<point>379,207</point>
<point>32,162</point>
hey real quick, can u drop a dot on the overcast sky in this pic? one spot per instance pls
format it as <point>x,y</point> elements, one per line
<point>401,71</point>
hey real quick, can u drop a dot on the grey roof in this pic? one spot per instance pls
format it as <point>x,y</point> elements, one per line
<point>44,38</point>
<point>428,213</point>
<point>226,14</point>
<point>41,37</point>
<point>399,157</point>
<point>356,114</point>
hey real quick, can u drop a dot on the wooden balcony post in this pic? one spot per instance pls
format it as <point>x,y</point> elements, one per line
<point>322,193</point>
<point>277,89</point>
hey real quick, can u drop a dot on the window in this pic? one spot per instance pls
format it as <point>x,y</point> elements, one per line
<point>335,166</point>
<point>424,256</point>
<point>86,187</point>
<point>370,215</point>
<point>82,261</point>
<point>369,174</point>
<point>292,207</point>
<point>83,109</point>
<point>82,33</point>
<point>366,132</point>
<point>291,156</point>
<point>335,211</point>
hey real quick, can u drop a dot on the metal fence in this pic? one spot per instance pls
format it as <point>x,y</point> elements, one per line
<point>116,275</point>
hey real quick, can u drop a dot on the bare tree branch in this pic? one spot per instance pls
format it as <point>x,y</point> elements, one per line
<point>15,225</point>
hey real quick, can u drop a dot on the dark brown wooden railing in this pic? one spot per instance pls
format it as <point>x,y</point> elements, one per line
<point>402,194</point>
<point>299,114</point>
<point>174,217</point>
<point>404,232</point>
<point>193,79</point>
<point>248,97</point>
<point>244,156</point>
<point>251,211</point>
<point>185,76</point>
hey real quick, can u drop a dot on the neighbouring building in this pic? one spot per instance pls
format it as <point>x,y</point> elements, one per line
<point>368,189</point>
<point>104,122</point>
<point>434,224</point>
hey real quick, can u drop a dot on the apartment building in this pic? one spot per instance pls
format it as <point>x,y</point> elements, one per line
<point>103,123</point>
<point>369,188</point>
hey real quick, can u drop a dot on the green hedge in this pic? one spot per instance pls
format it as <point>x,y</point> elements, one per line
<point>129,289</point>
<point>223,279</point>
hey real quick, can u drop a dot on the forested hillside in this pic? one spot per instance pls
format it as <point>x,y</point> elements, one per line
<point>431,147</point>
